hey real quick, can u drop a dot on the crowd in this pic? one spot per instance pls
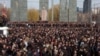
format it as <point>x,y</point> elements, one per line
<point>51,39</point>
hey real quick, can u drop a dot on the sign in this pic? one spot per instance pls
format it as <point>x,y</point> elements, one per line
<point>4,31</point>
<point>44,14</point>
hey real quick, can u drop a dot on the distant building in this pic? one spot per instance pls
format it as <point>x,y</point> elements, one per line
<point>96,14</point>
<point>79,10</point>
<point>95,10</point>
<point>87,6</point>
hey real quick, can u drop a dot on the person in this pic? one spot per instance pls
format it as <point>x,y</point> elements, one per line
<point>1,21</point>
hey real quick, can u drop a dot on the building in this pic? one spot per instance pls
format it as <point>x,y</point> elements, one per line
<point>87,6</point>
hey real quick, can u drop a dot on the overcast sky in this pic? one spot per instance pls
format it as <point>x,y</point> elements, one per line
<point>35,3</point>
